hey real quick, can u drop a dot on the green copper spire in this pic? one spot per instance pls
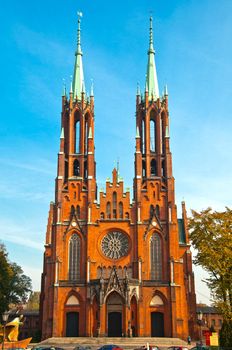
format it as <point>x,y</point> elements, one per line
<point>151,80</point>
<point>78,76</point>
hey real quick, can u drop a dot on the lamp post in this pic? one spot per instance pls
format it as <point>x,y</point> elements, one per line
<point>199,317</point>
<point>5,316</point>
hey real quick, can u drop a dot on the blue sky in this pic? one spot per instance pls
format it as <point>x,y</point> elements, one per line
<point>193,56</point>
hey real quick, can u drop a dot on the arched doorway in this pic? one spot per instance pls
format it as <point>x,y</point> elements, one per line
<point>72,307</point>
<point>157,324</point>
<point>114,315</point>
<point>72,324</point>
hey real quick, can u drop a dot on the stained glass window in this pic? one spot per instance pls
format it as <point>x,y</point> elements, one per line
<point>74,257</point>
<point>156,257</point>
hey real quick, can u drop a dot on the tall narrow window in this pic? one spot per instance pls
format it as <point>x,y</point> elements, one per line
<point>108,210</point>
<point>77,137</point>
<point>72,211</point>
<point>120,210</point>
<point>153,168</point>
<point>74,257</point>
<point>76,168</point>
<point>144,168</point>
<point>156,257</point>
<point>152,135</point>
<point>66,170</point>
<point>85,170</point>
<point>161,135</point>
<point>114,205</point>
<point>86,135</point>
<point>163,168</point>
<point>143,137</point>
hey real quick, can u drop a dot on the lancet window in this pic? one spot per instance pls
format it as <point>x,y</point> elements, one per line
<point>153,168</point>
<point>108,210</point>
<point>120,209</point>
<point>77,137</point>
<point>152,135</point>
<point>74,257</point>
<point>76,168</point>
<point>156,257</point>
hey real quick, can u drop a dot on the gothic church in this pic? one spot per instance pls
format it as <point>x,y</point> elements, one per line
<point>115,266</point>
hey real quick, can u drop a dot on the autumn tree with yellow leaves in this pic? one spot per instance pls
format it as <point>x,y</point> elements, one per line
<point>211,236</point>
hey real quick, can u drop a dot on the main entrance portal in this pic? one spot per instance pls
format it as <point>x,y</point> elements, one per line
<point>114,315</point>
<point>72,324</point>
<point>157,324</point>
<point>114,324</point>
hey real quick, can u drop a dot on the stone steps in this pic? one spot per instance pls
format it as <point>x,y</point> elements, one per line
<point>123,342</point>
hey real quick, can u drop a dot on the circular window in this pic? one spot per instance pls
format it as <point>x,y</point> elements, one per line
<point>115,245</point>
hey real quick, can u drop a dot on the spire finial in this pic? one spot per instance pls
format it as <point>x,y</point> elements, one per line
<point>78,76</point>
<point>79,14</point>
<point>138,90</point>
<point>151,79</point>
<point>151,48</point>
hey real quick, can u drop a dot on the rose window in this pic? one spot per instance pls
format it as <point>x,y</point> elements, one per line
<point>115,245</point>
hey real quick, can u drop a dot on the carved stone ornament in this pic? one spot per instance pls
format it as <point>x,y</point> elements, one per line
<point>115,245</point>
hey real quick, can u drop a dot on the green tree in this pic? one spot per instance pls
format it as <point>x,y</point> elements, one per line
<point>14,285</point>
<point>33,301</point>
<point>6,274</point>
<point>211,236</point>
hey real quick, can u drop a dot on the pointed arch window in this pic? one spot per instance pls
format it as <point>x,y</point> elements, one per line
<point>143,137</point>
<point>163,168</point>
<point>114,205</point>
<point>161,135</point>
<point>120,210</point>
<point>153,168</point>
<point>72,211</point>
<point>143,168</point>
<point>86,134</point>
<point>108,210</point>
<point>152,135</point>
<point>66,170</point>
<point>74,257</point>
<point>76,168</point>
<point>85,170</point>
<point>77,137</point>
<point>156,257</point>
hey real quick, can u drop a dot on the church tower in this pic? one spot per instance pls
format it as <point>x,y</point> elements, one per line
<point>113,267</point>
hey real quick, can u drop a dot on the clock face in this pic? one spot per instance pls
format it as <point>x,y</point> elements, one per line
<point>115,245</point>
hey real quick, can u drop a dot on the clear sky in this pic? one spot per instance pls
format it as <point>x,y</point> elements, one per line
<point>193,56</point>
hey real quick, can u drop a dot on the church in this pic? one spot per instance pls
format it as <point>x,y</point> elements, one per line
<point>114,265</point>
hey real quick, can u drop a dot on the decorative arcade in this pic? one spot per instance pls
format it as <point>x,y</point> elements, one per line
<point>112,266</point>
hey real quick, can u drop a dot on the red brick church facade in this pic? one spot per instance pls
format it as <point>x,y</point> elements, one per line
<point>113,266</point>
